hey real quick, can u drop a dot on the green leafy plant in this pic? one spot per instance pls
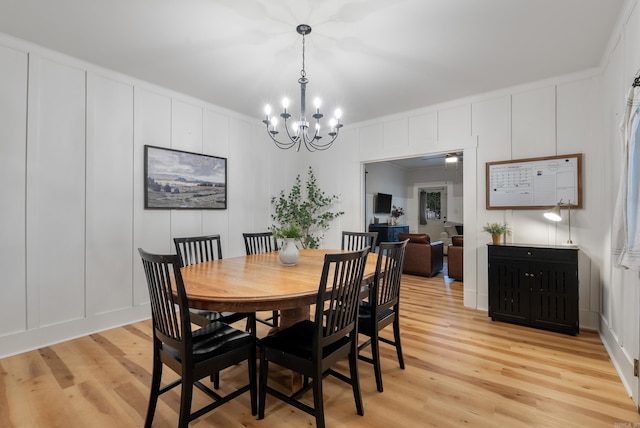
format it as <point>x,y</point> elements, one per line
<point>497,229</point>
<point>291,231</point>
<point>308,211</point>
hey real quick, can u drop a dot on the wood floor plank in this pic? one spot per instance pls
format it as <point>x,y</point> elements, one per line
<point>462,369</point>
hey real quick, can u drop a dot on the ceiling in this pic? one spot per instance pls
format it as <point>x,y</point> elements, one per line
<point>370,57</point>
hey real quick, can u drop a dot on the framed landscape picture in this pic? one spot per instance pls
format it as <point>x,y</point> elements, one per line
<point>175,179</point>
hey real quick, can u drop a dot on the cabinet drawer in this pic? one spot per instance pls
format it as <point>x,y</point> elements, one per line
<point>558,255</point>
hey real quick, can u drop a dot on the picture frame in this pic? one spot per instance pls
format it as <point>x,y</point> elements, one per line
<point>180,180</point>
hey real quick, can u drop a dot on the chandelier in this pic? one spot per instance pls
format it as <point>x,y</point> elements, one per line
<point>298,132</point>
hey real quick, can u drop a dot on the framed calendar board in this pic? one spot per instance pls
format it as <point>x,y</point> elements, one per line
<point>534,183</point>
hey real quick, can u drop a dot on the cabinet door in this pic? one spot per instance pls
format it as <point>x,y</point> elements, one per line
<point>393,233</point>
<point>554,296</point>
<point>508,290</point>
<point>396,230</point>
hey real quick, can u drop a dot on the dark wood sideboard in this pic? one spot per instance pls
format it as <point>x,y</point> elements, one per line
<point>536,286</point>
<point>388,232</point>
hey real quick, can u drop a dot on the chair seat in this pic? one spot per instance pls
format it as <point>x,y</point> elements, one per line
<point>298,340</point>
<point>216,338</point>
<point>365,322</point>
<point>365,314</point>
<point>226,317</point>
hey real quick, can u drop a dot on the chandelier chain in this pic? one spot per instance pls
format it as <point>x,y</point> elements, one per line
<point>303,73</point>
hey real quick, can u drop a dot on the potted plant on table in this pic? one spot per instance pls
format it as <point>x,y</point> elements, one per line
<point>497,230</point>
<point>289,234</point>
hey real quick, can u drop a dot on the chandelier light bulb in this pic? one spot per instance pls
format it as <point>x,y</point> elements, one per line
<point>317,103</point>
<point>285,103</point>
<point>333,122</point>
<point>338,113</point>
<point>267,110</point>
<point>274,122</point>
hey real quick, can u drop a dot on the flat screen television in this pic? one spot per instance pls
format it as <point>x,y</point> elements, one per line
<point>383,203</point>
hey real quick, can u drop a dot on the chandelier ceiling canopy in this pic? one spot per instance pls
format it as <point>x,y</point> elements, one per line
<point>298,131</point>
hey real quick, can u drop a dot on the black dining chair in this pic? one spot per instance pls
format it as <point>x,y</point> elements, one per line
<point>257,243</point>
<point>193,355</point>
<point>312,348</point>
<point>353,241</point>
<point>383,305</point>
<point>199,249</point>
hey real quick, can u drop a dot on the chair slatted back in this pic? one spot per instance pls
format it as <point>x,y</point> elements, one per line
<point>338,297</point>
<point>257,243</point>
<point>385,290</point>
<point>354,241</point>
<point>198,249</point>
<point>164,282</point>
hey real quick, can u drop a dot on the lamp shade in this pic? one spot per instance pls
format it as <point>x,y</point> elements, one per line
<point>554,213</point>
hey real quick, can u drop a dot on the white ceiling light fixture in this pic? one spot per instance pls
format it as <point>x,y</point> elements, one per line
<point>451,158</point>
<point>298,132</point>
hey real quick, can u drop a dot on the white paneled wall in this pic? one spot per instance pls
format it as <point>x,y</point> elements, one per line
<point>241,162</point>
<point>109,200</point>
<point>151,228</point>
<point>13,170</point>
<point>423,129</point>
<point>55,193</point>
<point>72,166</point>
<point>454,123</point>
<point>533,123</point>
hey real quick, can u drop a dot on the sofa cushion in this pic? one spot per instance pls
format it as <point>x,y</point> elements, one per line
<point>457,240</point>
<point>415,238</point>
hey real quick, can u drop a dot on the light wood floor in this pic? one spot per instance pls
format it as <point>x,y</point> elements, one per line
<point>462,369</point>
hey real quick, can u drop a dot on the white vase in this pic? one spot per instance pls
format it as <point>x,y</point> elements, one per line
<point>289,252</point>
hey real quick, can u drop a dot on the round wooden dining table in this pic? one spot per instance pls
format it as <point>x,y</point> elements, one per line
<point>259,282</point>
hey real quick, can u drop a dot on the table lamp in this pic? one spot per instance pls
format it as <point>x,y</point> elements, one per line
<point>554,215</point>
